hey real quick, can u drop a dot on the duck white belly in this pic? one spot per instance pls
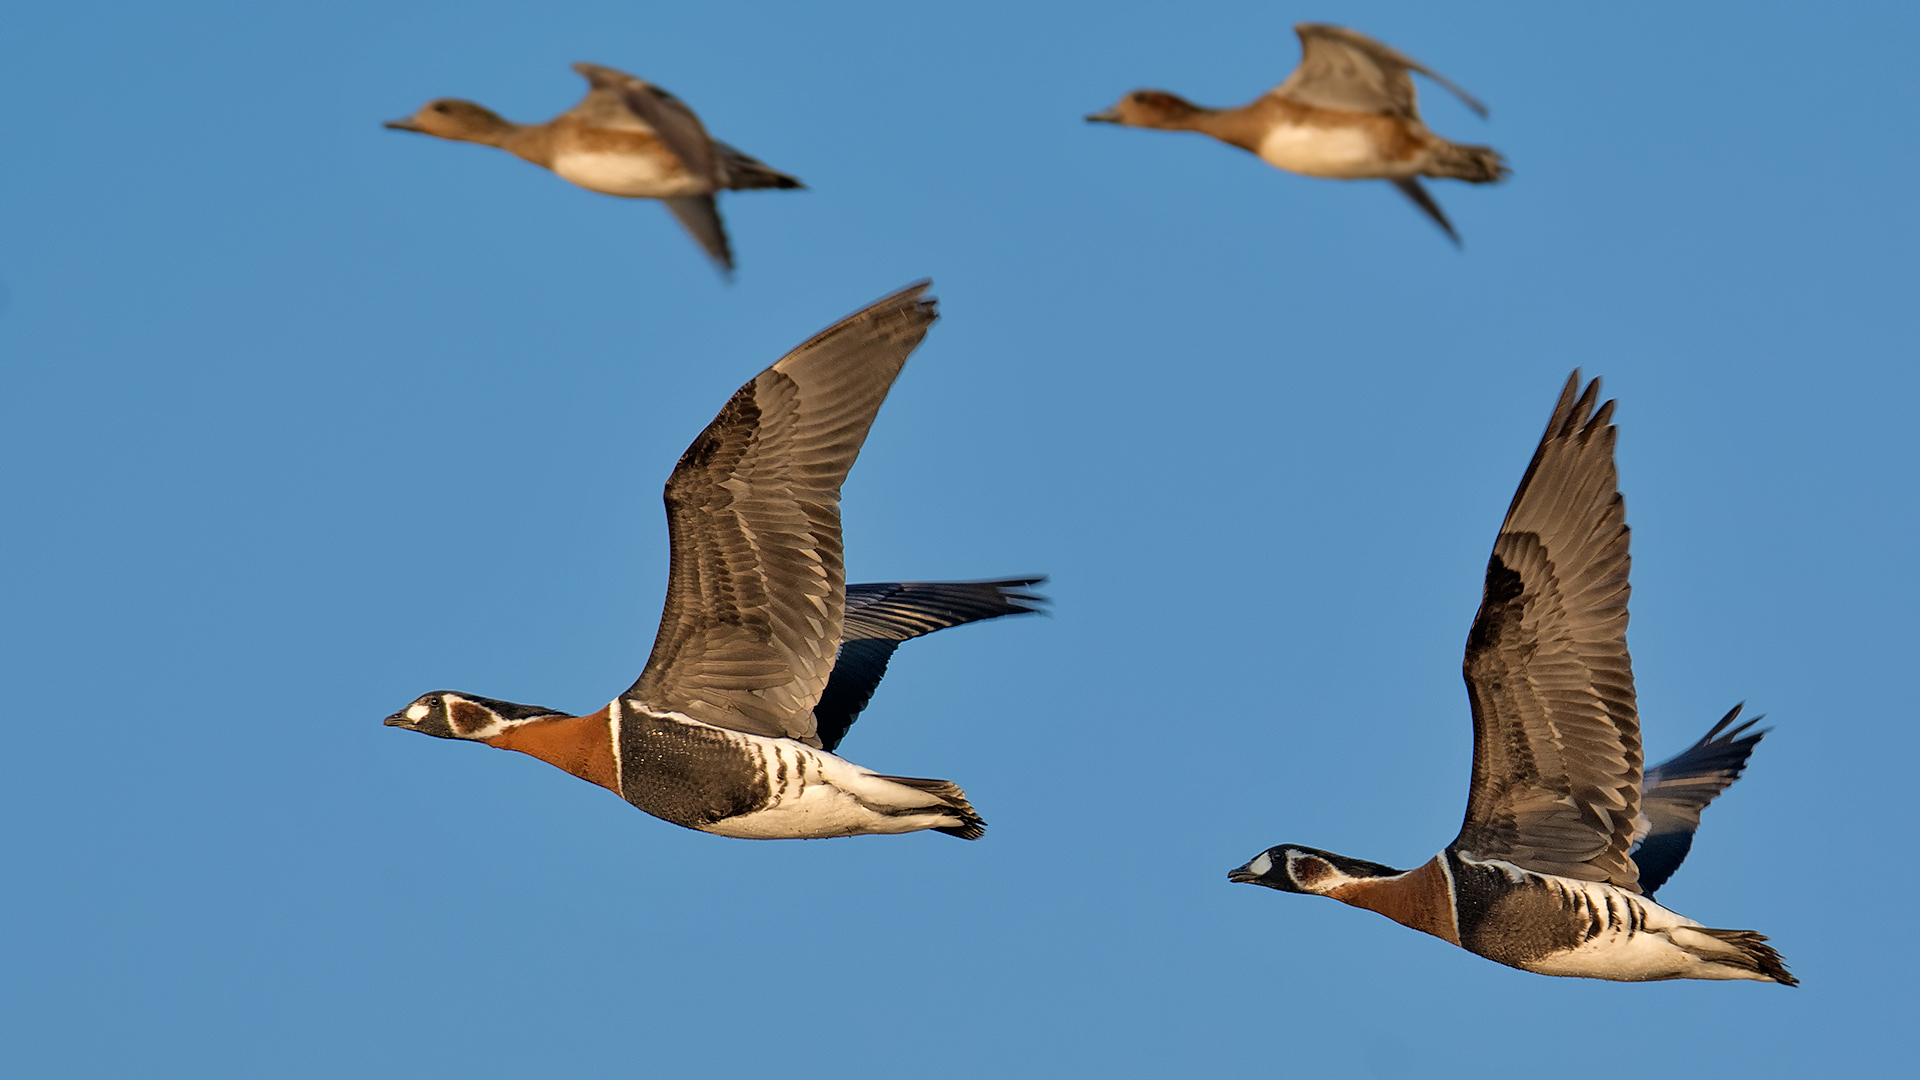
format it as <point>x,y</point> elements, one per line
<point>633,176</point>
<point>1338,153</point>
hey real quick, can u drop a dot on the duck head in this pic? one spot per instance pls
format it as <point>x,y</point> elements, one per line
<point>1151,109</point>
<point>462,121</point>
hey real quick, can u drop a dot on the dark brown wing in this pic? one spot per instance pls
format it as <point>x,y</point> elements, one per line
<point>1341,69</point>
<point>904,610</point>
<point>668,116</point>
<point>1679,788</point>
<point>757,591</point>
<point>880,616</point>
<point>1556,738</point>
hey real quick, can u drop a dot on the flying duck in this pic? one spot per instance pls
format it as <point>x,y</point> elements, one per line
<point>1348,112</point>
<point>765,656</point>
<point>1545,875</point>
<point>627,137</point>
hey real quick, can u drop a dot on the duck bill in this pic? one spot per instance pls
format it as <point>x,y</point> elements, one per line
<point>402,125</point>
<point>1106,116</point>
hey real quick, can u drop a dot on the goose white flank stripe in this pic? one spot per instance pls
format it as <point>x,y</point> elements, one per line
<point>1565,840</point>
<point>765,656</point>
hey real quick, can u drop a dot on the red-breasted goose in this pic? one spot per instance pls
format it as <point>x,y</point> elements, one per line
<point>1544,875</point>
<point>764,656</point>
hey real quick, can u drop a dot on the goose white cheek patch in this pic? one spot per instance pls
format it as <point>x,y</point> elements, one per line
<point>1261,865</point>
<point>417,712</point>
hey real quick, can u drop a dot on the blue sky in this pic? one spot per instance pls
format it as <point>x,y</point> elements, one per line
<point>302,418</point>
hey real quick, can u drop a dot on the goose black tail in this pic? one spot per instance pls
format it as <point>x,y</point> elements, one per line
<point>953,803</point>
<point>1758,956</point>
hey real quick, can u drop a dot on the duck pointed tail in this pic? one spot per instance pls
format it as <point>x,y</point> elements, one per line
<point>745,172</point>
<point>1458,161</point>
<point>1745,952</point>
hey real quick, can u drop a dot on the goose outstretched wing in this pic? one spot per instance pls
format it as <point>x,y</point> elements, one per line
<point>1679,788</point>
<point>881,616</point>
<point>756,594</point>
<point>1556,735</point>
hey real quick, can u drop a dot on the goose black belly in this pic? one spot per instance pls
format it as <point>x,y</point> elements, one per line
<point>1517,919</point>
<point>692,774</point>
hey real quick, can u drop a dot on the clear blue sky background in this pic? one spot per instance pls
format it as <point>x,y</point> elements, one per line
<point>300,418</point>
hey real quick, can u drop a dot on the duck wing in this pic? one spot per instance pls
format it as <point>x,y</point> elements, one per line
<point>700,216</point>
<point>666,115</point>
<point>1556,735</point>
<point>756,589</point>
<point>881,616</point>
<point>1342,69</point>
<point>1414,190</point>
<point>1678,789</point>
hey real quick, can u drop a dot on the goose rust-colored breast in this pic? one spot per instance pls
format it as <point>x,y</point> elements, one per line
<point>582,745</point>
<point>1421,898</point>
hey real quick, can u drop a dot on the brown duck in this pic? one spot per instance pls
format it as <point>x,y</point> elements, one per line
<point>627,137</point>
<point>1348,112</point>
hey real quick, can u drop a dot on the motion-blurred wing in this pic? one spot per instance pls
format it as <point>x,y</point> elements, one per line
<point>1556,738</point>
<point>668,116</point>
<point>1342,69</point>
<point>756,595</point>
<point>700,216</point>
<point>1413,189</point>
<point>1678,789</point>
<point>881,616</point>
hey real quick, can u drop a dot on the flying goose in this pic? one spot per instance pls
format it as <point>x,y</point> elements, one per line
<point>765,656</point>
<point>1544,876</point>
